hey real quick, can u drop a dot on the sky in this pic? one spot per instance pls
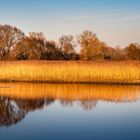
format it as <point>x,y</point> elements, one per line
<point>117,22</point>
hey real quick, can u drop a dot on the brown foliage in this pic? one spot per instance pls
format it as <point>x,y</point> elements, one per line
<point>9,37</point>
<point>14,45</point>
<point>91,47</point>
<point>67,44</point>
<point>67,47</point>
<point>133,51</point>
<point>119,54</point>
<point>52,52</point>
<point>29,48</point>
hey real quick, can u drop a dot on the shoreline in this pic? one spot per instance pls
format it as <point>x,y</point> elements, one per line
<point>82,83</point>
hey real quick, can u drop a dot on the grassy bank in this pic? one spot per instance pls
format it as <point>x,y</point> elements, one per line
<point>71,72</point>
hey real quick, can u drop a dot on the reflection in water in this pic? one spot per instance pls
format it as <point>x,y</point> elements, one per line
<point>16,100</point>
<point>14,110</point>
<point>10,113</point>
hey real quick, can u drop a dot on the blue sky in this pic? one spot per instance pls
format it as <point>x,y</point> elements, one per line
<point>116,22</point>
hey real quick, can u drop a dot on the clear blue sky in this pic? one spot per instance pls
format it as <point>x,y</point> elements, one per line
<point>115,21</point>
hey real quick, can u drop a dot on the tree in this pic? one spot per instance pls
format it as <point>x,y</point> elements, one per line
<point>49,50</point>
<point>52,52</point>
<point>133,51</point>
<point>67,45</point>
<point>91,46</point>
<point>37,36</point>
<point>29,48</point>
<point>109,53</point>
<point>118,54</point>
<point>85,41</point>
<point>9,37</point>
<point>36,47</point>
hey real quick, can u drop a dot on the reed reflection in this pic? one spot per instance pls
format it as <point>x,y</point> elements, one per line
<point>17,99</point>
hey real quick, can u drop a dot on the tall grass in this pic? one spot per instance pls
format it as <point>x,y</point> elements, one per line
<point>71,71</point>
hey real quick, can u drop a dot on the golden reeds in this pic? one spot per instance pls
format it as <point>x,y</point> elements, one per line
<point>71,71</point>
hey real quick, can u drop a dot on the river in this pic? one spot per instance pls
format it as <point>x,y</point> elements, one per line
<point>69,111</point>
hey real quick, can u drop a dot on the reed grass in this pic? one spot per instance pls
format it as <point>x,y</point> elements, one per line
<point>127,72</point>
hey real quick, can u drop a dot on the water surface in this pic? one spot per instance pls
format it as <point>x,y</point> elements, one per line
<point>69,111</point>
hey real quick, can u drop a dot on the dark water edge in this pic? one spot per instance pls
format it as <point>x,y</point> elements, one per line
<point>82,82</point>
<point>65,111</point>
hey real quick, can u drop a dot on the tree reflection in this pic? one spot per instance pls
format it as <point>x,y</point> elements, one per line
<point>13,111</point>
<point>88,104</point>
<point>15,103</point>
<point>10,113</point>
<point>66,103</point>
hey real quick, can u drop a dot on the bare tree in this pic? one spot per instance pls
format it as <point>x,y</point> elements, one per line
<point>37,36</point>
<point>9,37</point>
<point>36,47</point>
<point>29,48</point>
<point>133,51</point>
<point>118,54</point>
<point>67,46</point>
<point>52,52</point>
<point>91,46</point>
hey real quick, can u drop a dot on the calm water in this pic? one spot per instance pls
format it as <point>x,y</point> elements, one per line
<point>69,112</point>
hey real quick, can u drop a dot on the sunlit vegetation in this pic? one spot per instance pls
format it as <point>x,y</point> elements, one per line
<point>90,65</point>
<point>15,45</point>
<point>71,71</point>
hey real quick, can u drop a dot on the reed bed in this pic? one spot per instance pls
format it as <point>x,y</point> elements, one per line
<point>125,72</point>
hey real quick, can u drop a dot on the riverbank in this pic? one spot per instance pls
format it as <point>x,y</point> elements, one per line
<point>108,72</point>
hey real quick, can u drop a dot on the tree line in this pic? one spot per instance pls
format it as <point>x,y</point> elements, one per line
<point>15,45</point>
